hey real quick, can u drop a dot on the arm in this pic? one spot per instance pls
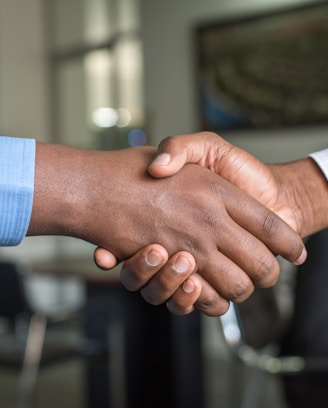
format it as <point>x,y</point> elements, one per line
<point>85,194</point>
<point>16,198</point>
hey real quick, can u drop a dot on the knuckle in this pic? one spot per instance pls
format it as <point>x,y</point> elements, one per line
<point>156,292</point>
<point>213,306</point>
<point>211,220</point>
<point>210,135</point>
<point>128,280</point>
<point>219,189</point>
<point>177,309</point>
<point>266,271</point>
<point>217,310</point>
<point>241,291</point>
<point>149,297</point>
<point>270,224</point>
<point>168,142</point>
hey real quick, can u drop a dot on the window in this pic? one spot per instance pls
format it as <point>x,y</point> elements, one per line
<point>96,73</point>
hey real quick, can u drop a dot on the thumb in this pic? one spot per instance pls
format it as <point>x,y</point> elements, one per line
<point>174,152</point>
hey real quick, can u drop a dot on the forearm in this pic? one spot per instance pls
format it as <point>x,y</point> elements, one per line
<point>96,196</point>
<point>306,190</point>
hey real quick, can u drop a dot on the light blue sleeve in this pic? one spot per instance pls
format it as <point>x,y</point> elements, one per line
<point>17,163</point>
<point>321,158</point>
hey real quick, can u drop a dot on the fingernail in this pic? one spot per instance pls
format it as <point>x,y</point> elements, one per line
<point>153,258</point>
<point>163,159</point>
<point>301,259</point>
<point>181,264</point>
<point>188,286</point>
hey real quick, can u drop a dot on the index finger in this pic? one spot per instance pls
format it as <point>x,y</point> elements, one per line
<point>268,227</point>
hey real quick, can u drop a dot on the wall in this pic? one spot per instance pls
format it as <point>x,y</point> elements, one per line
<point>23,107</point>
<point>169,76</point>
<point>24,112</point>
<point>23,85</point>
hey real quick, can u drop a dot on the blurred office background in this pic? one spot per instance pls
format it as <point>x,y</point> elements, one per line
<point>112,74</point>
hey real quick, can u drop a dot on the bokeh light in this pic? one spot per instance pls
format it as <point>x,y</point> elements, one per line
<point>137,137</point>
<point>105,117</point>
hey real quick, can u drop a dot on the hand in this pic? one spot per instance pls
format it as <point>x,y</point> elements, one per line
<point>295,191</point>
<point>86,194</point>
<point>177,300</point>
<point>161,278</point>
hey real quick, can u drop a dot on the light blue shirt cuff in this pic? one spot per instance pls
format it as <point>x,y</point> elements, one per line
<point>17,164</point>
<point>321,158</point>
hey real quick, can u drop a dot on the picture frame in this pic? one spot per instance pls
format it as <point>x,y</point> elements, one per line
<point>266,70</point>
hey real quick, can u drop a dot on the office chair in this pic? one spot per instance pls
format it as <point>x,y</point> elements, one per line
<point>254,332</point>
<point>295,348</point>
<point>30,340</point>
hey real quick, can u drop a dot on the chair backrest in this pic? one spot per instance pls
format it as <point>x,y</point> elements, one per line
<point>261,337</point>
<point>12,297</point>
<point>308,332</point>
<point>259,319</point>
<point>257,322</point>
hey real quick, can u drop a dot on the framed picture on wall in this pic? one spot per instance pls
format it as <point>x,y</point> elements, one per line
<point>265,70</point>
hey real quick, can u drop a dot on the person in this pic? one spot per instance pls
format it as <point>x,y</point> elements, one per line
<point>307,331</point>
<point>296,191</point>
<point>108,199</point>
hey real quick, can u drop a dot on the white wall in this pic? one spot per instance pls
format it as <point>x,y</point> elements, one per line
<point>169,74</point>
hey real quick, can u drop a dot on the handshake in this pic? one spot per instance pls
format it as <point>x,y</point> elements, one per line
<point>198,222</point>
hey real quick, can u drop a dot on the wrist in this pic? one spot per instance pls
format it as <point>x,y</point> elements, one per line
<point>317,189</point>
<point>59,193</point>
<point>305,190</point>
